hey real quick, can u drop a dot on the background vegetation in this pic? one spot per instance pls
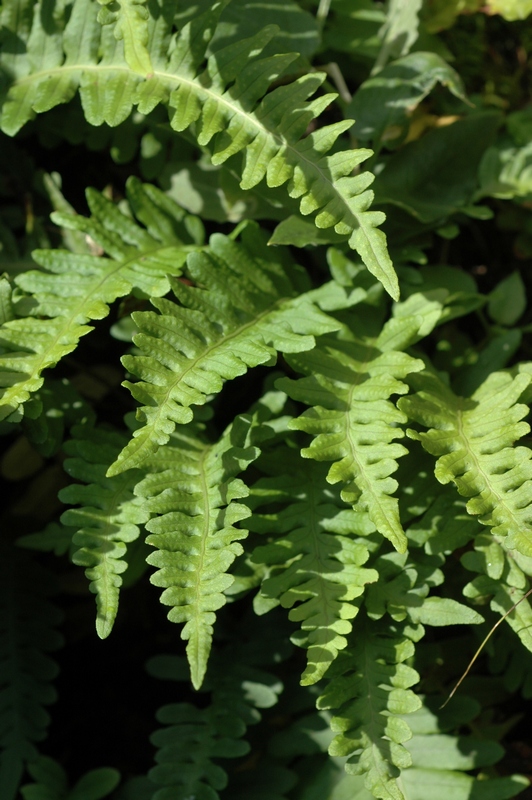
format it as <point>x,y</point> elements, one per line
<point>312,462</point>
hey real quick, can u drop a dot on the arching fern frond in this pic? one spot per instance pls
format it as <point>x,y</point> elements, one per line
<point>473,440</point>
<point>240,311</point>
<point>108,519</point>
<point>75,288</point>
<point>370,688</point>
<point>348,383</point>
<point>27,634</point>
<point>226,97</point>
<point>192,488</point>
<point>317,563</point>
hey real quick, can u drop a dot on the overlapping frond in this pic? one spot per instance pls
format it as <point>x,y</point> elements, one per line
<point>27,634</point>
<point>241,309</point>
<point>225,96</point>
<point>503,577</point>
<point>192,488</point>
<point>194,739</point>
<point>348,383</point>
<point>73,288</point>
<point>370,691</point>
<point>317,557</point>
<point>108,518</point>
<point>473,439</point>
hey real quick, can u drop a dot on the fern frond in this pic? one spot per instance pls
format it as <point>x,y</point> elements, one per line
<point>108,519</point>
<point>473,440</point>
<point>370,689</point>
<point>317,563</point>
<point>226,97</point>
<point>504,577</point>
<point>74,288</point>
<point>192,487</point>
<point>195,738</point>
<point>348,383</point>
<point>240,311</point>
<point>27,634</point>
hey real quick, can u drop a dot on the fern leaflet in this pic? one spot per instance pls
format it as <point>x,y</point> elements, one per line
<point>249,309</point>
<point>317,562</point>
<point>108,519</point>
<point>74,288</point>
<point>131,18</point>
<point>192,488</point>
<point>473,440</point>
<point>227,98</point>
<point>348,383</point>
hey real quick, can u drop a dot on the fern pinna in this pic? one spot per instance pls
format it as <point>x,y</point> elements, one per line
<point>125,63</point>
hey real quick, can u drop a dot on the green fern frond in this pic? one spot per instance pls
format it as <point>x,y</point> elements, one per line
<point>108,519</point>
<point>226,97</point>
<point>473,440</point>
<point>195,738</point>
<point>317,563</point>
<point>27,634</point>
<point>192,488</point>
<point>238,313</point>
<point>348,383</point>
<point>75,288</point>
<point>504,577</point>
<point>370,688</point>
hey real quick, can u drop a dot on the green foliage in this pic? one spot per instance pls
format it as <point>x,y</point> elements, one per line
<point>220,387</point>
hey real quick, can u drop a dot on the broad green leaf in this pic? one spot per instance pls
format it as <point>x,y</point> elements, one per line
<point>507,302</point>
<point>442,611</point>
<point>400,30</point>
<point>383,104</point>
<point>511,9</point>
<point>425,181</point>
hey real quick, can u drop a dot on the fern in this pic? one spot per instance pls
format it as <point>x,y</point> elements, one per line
<point>249,309</point>
<point>317,563</point>
<point>194,737</point>
<point>473,440</point>
<point>370,687</point>
<point>192,487</point>
<point>348,382</point>
<point>108,519</point>
<point>27,634</point>
<point>504,577</point>
<point>231,106</point>
<point>131,18</point>
<point>75,288</point>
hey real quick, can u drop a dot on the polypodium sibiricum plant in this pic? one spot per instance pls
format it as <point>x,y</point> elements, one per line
<point>319,454</point>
